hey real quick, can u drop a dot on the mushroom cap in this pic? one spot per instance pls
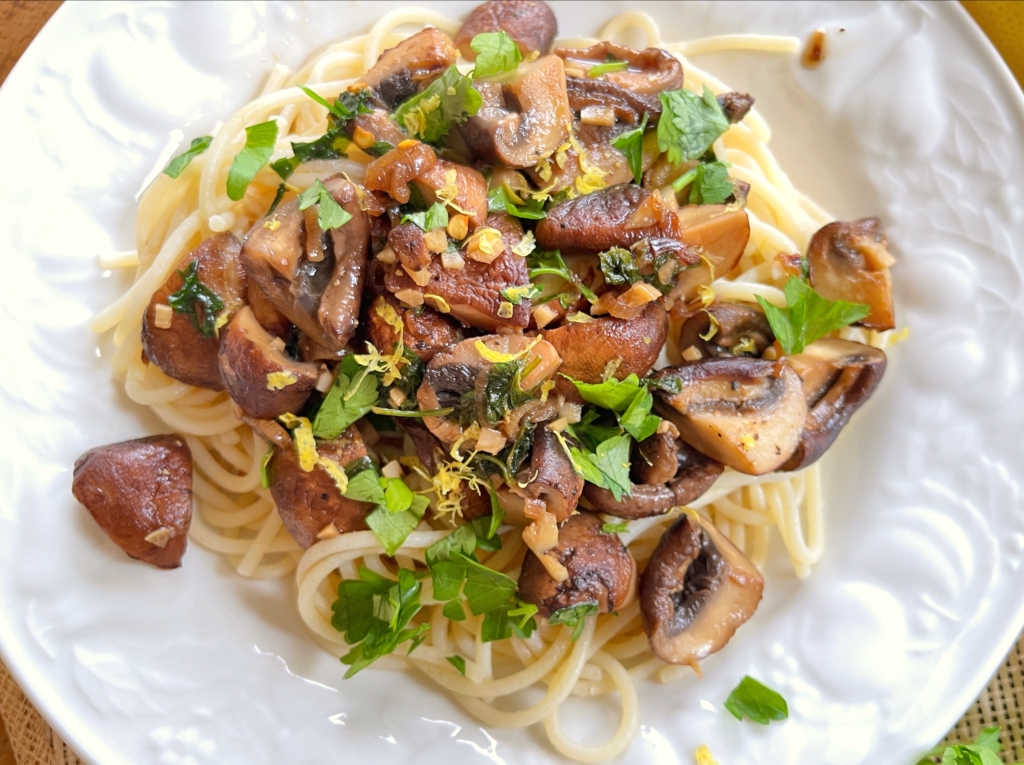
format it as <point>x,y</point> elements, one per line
<point>425,331</point>
<point>629,107</point>
<point>600,569</point>
<point>738,324</point>
<point>470,189</point>
<point>247,361</point>
<point>718,232</point>
<point>551,476</point>
<point>838,376</point>
<point>746,413</point>
<point>401,72</point>
<point>531,23</point>
<point>695,592</point>
<point>651,70</point>
<point>140,494</point>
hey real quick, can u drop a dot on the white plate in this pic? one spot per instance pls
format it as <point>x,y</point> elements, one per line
<point>913,118</point>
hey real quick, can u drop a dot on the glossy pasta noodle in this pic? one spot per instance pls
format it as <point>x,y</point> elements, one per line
<point>238,518</point>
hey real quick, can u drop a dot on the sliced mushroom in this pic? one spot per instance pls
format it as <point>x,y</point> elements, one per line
<point>735,105</point>
<point>551,476</point>
<point>600,568</point>
<point>425,330</point>
<point>377,123</point>
<point>741,329</point>
<point>523,120</point>
<point>849,261</point>
<point>595,141</point>
<point>696,591</point>
<point>272,320</point>
<point>720,234</point>
<point>469,185</point>
<point>393,172</point>
<point>618,216</point>
<point>691,475</point>
<point>629,107</point>
<point>587,349</point>
<point>530,23</point>
<point>181,350</point>
<point>269,430</point>
<point>651,71</point>
<point>746,413</point>
<point>318,288</point>
<point>401,72</point>
<point>260,378</point>
<point>428,449</point>
<point>140,494</point>
<point>407,242</point>
<point>462,369</point>
<point>310,502</point>
<point>472,292</point>
<point>838,377</point>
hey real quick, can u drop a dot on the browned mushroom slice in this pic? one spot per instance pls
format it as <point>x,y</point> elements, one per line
<point>746,413</point>
<point>587,349</point>
<point>320,287</point>
<point>310,502</point>
<point>628,107</point>
<point>600,568</point>
<point>720,234</point>
<point>425,330</point>
<point>378,125</point>
<point>401,72</point>
<point>696,591</point>
<point>530,23</point>
<point>650,71</point>
<point>614,217</point>
<point>272,320</point>
<point>258,376</point>
<point>838,377</point>
<point>407,242</point>
<point>691,475</point>
<point>735,105</point>
<point>393,172</point>
<point>171,340</point>
<point>140,494</point>
<point>523,120</point>
<point>462,188</point>
<point>472,292</point>
<point>551,476</point>
<point>849,261</point>
<point>741,329</point>
<point>598,151</point>
<point>269,430</point>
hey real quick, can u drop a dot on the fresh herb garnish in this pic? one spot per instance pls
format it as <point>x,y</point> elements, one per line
<point>607,466</point>
<point>709,183</point>
<point>330,214</point>
<point>689,124</point>
<point>496,53</point>
<point>637,420</point>
<point>449,100</point>
<point>351,397</point>
<point>611,394</point>
<point>331,145</point>
<point>259,145</point>
<point>611,64</point>
<point>550,262</point>
<point>757,701</point>
<point>503,391</point>
<point>373,614</point>
<point>642,263</point>
<point>631,143</point>
<point>516,295</point>
<point>428,220</point>
<point>398,510</point>
<point>808,316</point>
<point>264,477</point>
<point>574,616</point>
<point>503,199</point>
<point>281,188</point>
<point>180,162</point>
<point>619,266</point>
<point>457,661</point>
<point>195,298</point>
<point>984,751</point>
<point>345,107</point>
<point>614,528</point>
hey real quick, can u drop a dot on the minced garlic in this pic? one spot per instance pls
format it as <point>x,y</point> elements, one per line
<point>163,316</point>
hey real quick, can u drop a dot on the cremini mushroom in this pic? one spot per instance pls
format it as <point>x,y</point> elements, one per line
<point>696,591</point>
<point>740,329</point>
<point>720,234</point>
<point>838,376</point>
<point>401,72</point>
<point>746,413</point>
<point>849,261</point>
<point>461,188</point>
<point>650,71</point>
<point>600,569</point>
<point>522,120</point>
<point>735,105</point>
<point>530,23</point>
<point>551,477</point>
<point>257,374</point>
<point>628,107</point>
<point>424,330</point>
<point>181,349</point>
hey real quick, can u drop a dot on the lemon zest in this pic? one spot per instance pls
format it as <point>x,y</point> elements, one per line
<point>526,245</point>
<point>707,295</point>
<point>713,329</point>
<point>440,303</point>
<point>335,471</point>
<point>305,445</point>
<point>497,357</point>
<point>416,120</point>
<point>281,380</point>
<point>448,193</point>
<point>375,361</point>
<point>703,756</point>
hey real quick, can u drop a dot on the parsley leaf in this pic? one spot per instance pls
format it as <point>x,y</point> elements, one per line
<point>631,143</point>
<point>496,53</point>
<point>259,145</point>
<point>607,466</point>
<point>610,65</point>
<point>614,528</point>
<point>449,100</point>
<point>331,145</point>
<point>712,185</point>
<point>331,214</point>
<point>364,486</point>
<point>542,262</point>
<point>574,616</point>
<point>983,751</point>
<point>486,589</point>
<point>589,432</point>
<point>392,527</point>
<point>503,391</point>
<point>689,124</point>
<point>281,188</point>
<point>458,662</point>
<point>612,394</point>
<point>757,701</point>
<point>619,266</point>
<point>503,199</point>
<point>516,295</point>
<point>808,316</point>
<point>180,162</point>
<point>345,402</point>
<point>428,220</point>
<point>637,420</point>
<point>194,298</point>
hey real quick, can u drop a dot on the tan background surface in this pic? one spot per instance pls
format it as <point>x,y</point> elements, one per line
<point>1001,703</point>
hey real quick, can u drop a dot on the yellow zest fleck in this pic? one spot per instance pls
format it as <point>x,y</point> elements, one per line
<point>469,434</point>
<point>505,310</point>
<point>610,369</point>
<point>497,357</point>
<point>545,388</point>
<point>746,345</point>
<point>526,245</point>
<point>579,318</point>
<point>222,318</point>
<point>281,380</point>
<point>593,178</point>
<point>897,337</point>
<point>438,302</point>
<point>416,120</point>
<point>709,264</point>
<point>272,225</point>
<point>543,169</point>
<point>703,756</point>
<point>407,143</point>
<point>289,420</point>
<point>448,483</point>
<point>747,441</point>
<point>336,472</point>
<point>485,245</point>
<point>707,295</point>
<point>374,361</point>
<point>305,445</point>
<point>647,341</point>
<point>713,329</point>
<point>562,153</point>
<point>448,193</point>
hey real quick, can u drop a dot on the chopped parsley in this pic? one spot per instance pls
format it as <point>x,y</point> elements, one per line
<point>345,107</point>
<point>689,124</point>
<point>757,701</point>
<point>259,145</point>
<point>197,301</point>
<point>574,616</point>
<point>428,220</point>
<point>631,143</point>
<point>611,64</point>
<point>607,466</point>
<point>550,262</point>
<point>330,214</point>
<point>503,391</point>
<point>180,162</point>
<point>457,661</point>
<point>281,188</point>
<point>496,53</point>
<point>398,510</point>
<point>614,528</point>
<point>984,751</point>
<point>352,396</point>
<point>503,199</point>
<point>808,316</point>
<point>448,101</point>
<point>516,295</point>
<point>709,183</point>
<point>644,262</point>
